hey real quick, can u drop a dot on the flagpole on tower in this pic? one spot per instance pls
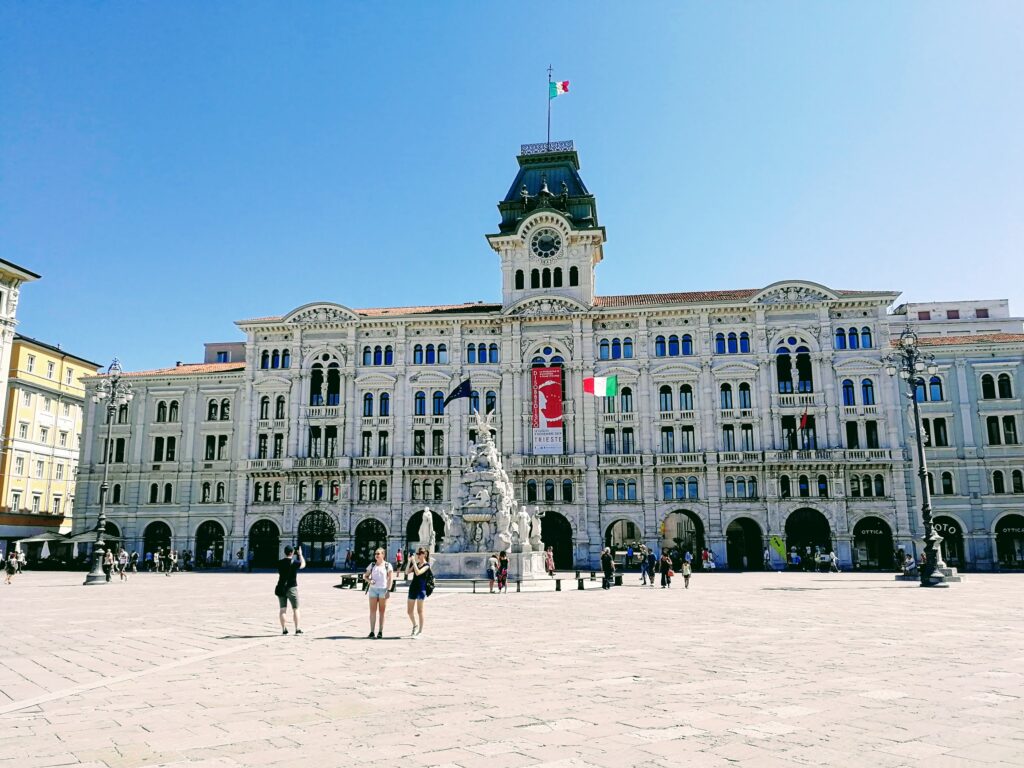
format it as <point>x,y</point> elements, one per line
<point>549,108</point>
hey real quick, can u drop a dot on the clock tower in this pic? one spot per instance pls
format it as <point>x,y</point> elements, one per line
<point>549,239</point>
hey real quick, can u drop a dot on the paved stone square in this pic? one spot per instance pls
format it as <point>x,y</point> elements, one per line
<point>756,670</point>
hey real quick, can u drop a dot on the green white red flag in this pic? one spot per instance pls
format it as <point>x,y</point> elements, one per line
<point>601,386</point>
<point>558,88</point>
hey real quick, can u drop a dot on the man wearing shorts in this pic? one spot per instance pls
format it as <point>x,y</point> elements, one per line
<point>122,564</point>
<point>287,590</point>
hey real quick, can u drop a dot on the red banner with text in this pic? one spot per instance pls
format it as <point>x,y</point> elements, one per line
<point>547,410</point>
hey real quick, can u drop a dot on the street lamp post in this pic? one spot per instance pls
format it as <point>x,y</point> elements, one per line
<point>910,363</point>
<point>114,392</point>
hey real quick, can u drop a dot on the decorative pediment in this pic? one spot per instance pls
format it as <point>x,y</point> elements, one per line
<point>733,368</point>
<point>272,384</point>
<point>546,306</point>
<point>320,313</point>
<point>794,292</point>
<point>376,379</point>
<point>675,371</point>
<point>617,370</point>
<point>430,377</point>
<point>858,364</point>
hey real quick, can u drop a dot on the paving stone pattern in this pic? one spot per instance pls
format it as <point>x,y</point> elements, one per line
<point>757,670</point>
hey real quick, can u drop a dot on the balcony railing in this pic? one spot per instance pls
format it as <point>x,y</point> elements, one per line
<point>620,460</point>
<point>797,400</point>
<point>376,462</point>
<point>739,457</point>
<point>548,461</point>
<point>319,463</point>
<point>429,462</point>
<point>268,463</point>
<point>678,459</point>
<point>323,411</point>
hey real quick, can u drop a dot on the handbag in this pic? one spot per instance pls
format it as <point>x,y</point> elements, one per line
<point>280,590</point>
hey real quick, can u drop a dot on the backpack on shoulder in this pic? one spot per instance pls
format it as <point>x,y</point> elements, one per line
<point>428,583</point>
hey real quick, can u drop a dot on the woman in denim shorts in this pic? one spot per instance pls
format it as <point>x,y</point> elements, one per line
<point>380,576</point>
<point>419,567</point>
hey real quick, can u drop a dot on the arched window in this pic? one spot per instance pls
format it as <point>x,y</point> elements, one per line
<point>744,342</point>
<point>1005,386</point>
<point>840,338</point>
<point>205,494</point>
<point>438,490</point>
<point>492,353</point>
<point>998,484</point>
<point>491,402</point>
<point>385,404</point>
<point>115,496</point>
<point>920,393</point>
<point>154,493</point>
<point>673,346</point>
<point>211,410</point>
<point>368,404</point>
<point>545,278</point>
<point>849,393</point>
<point>805,489</point>
<point>264,407</point>
<point>616,349</point>
<point>372,490</point>
<point>220,492</point>
<point>318,490</point>
<point>692,488</point>
<point>609,490</point>
<point>535,278</point>
<point>558,277</point>
<point>389,355</point>
<point>417,354</point>
<point>574,277</point>
<point>741,488</point>
<point>631,490</point>
<point>947,483</point>
<point>471,354</point>
<point>531,490</point>
<point>853,339</point>
<point>752,488</point>
<point>378,355</point>
<point>363,495</point>
<point>420,404</point>
<point>265,360</point>
<point>442,354</point>
<point>988,387</point>
<point>620,490</point>
<point>367,356</point>
<point>720,343</point>
<point>286,359</point>
<point>685,398</point>
<point>382,490</point>
<point>549,490</point>
<point>733,344</point>
<point>665,398</point>
<point>666,489</point>
<point>784,370</point>
<point>225,409</point>
<point>865,338</point>
<point>687,344</point>
<point>431,356</point>
<point>168,493</point>
<point>415,490</point>
<point>935,389</point>
<point>784,489</point>
<point>626,400</point>
<point>680,487</point>
<point>520,282</point>
<point>745,401</point>
<point>275,359</point>
<point>659,346</point>
<point>730,488</point>
<point>867,392</point>
<point>172,412</point>
<point>855,485</point>
<point>726,397</point>
<point>474,402</point>
<point>279,407</point>
<point>823,486</point>
<point>879,485</point>
<point>567,490</point>
<point>161,411</point>
<point>803,370</point>
<point>1018,481</point>
<point>604,351</point>
<point>438,403</point>
<point>627,348</point>
<point>865,485</point>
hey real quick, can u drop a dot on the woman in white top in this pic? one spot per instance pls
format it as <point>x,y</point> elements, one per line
<point>492,570</point>
<point>379,575</point>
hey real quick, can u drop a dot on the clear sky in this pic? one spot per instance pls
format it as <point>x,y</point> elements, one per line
<point>170,168</point>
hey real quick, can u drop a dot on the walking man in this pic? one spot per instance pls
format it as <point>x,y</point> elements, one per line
<point>607,568</point>
<point>767,559</point>
<point>287,589</point>
<point>122,564</point>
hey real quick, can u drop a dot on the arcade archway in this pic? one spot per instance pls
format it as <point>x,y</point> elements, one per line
<point>316,537</point>
<point>210,539</point>
<point>370,534</point>
<point>264,543</point>
<point>683,532</point>
<point>952,540</point>
<point>807,531</point>
<point>872,545</point>
<point>621,535</point>
<point>744,545</point>
<point>157,536</point>
<point>1010,542</point>
<point>412,529</point>
<point>556,532</point>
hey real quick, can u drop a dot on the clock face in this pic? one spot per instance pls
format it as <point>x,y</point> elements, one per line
<point>546,243</point>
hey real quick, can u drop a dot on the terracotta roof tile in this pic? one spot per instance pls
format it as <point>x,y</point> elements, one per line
<point>190,369</point>
<point>980,338</point>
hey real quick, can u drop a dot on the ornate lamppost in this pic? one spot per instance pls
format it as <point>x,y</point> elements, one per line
<point>911,363</point>
<point>114,392</point>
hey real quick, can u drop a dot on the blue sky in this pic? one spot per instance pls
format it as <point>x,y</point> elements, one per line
<point>172,167</point>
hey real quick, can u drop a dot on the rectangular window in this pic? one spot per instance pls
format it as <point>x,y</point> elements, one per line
<point>47,404</point>
<point>939,437</point>
<point>437,442</point>
<point>31,363</point>
<point>748,437</point>
<point>39,470</point>
<point>36,499</point>
<point>222,357</point>
<point>366,443</point>
<point>609,441</point>
<point>952,314</point>
<point>668,440</point>
<point>419,442</point>
<point>16,500</point>
<point>279,447</point>
<point>119,447</point>
<point>67,409</point>
<point>852,435</point>
<point>23,430</point>
<point>728,438</point>
<point>69,376</point>
<point>56,505</point>
<point>44,434</point>
<point>1009,430</point>
<point>627,440</point>
<point>210,451</point>
<point>49,370</point>
<point>222,447</point>
<point>872,433</point>
<point>789,432</point>
<point>26,399</point>
<point>924,315</point>
<point>63,439</point>
<point>981,314</point>
<point>382,443</point>
<point>60,471</point>
<point>19,465</point>
<point>687,441</point>
<point>261,446</point>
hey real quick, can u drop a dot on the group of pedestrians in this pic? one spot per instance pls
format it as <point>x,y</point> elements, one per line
<point>651,565</point>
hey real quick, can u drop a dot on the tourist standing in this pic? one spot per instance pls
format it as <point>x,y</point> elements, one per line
<point>502,571</point>
<point>135,562</point>
<point>549,561</point>
<point>122,564</point>
<point>666,570</point>
<point>629,556</point>
<point>287,589</point>
<point>420,570</point>
<point>149,561</point>
<point>108,563</point>
<point>644,568</point>
<point>10,567</point>
<point>607,568</point>
<point>398,559</point>
<point>687,571</point>
<point>833,561</point>
<point>492,571</point>
<point>767,557</point>
<point>652,566</point>
<point>379,577</point>
<point>252,558</point>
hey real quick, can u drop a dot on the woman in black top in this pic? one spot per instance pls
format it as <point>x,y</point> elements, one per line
<point>607,568</point>
<point>419,568</point>
<point>503,571</point>
<point>666,568</point>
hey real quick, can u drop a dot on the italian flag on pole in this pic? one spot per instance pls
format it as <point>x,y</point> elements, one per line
<point>559,88</point>
<point>601,386</point>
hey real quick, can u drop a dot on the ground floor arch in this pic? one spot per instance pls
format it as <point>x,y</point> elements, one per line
<point>744,545</point>
<point>873,545</point>
<point>157,536</point>
<point>807,532</point>
<point>210,543</point>
<point>369,535</point>
<point>111,529</point>
<point>412,529</point>
<point>556,532</point>
<point>622,534</point>
<point>264,543</point>
<point>682,532</point>
<point>952,534</point>
<point>1010,541</point>
<point>317,532</point>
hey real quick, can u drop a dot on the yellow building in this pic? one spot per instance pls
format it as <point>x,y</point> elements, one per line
<point>41,434</point>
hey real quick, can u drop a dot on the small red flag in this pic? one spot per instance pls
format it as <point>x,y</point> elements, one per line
<point>803,421</point>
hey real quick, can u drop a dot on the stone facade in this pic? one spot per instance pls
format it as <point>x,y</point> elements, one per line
<point>740,414</point>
